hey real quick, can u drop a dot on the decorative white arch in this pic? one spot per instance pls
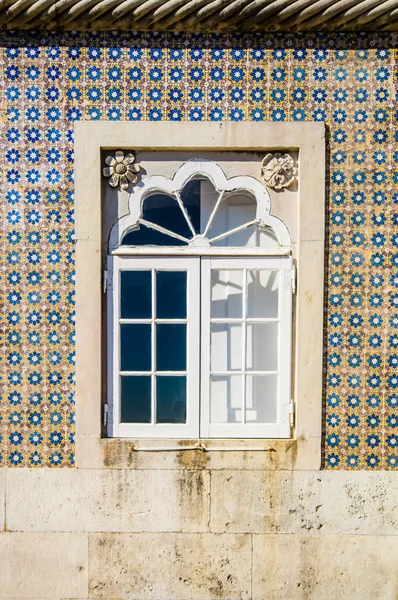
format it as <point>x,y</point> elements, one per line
<point>173,187</point>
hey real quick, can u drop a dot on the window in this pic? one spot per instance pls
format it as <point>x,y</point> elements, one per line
<point>163,148</point>
<point>199,310</point>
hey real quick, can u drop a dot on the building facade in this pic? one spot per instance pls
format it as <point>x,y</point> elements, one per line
<point>191,524</point>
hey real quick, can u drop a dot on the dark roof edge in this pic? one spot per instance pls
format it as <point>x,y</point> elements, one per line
<point>201,15</point>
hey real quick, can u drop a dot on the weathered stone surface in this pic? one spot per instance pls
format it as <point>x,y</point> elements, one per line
<point>43,565</point>
<point>94,500</point>
<point>2,498</point>
<point>298,502</point>
<point>135,553</point>
<point>323,567</point>
<point>170,567</point>
<point>302,454</point>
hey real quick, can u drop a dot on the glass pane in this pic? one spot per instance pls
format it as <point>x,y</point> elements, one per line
<point>162,210</point>
<point>171,347</point>
<point>251,237</point>
<point>261,398</point>
<point>226,347</point>
<point>145,236</point>
<point>171,399</point>
<point>262,293</point>
<point>226,294</point>
<point>226,399</point>
<point>262,346</point>
<point>171,294</point>
<point>235,210</point>
<point>135,295</point>
<point>135,399</point>
<point>135,347</point>
<point>246,237</point>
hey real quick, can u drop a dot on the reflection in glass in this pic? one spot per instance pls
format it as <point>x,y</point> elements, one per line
<point>261,398</point>
<point>171,399</point>
<point>171,294</point>
<point>235,210</point>
<point>135,347</point>
<point>226,293</point>
<point>226,347</point>
<point>226,398</point>
<point>208,211</point>
<point>135,399</point>
<point>171,347</point>
<point>262,293</point>
<point>135,295</point>
<point>164,210</point>
<point>262,346</point>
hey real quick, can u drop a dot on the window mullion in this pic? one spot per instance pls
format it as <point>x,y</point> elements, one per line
<point>113,308</point>
<point>185,213</point>
<point>153,348</point>
<point>244,332</point>
<point>205,319</point>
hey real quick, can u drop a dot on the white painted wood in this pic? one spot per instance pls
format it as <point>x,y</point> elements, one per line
<point>161,229</point>
<point>112,345</point>
<point>185,213</point>
<point>281,428</point>
<point>285,349</point>
<point>205,309</point>
<point>153,346</point>
<point>235,230</point>
<point>173,187</point>
<point>199,251</point>
<point>249,256</point>
<point>244,351</point>
<point>151,430</point>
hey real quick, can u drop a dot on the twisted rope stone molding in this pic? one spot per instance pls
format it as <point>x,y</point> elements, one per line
<point>201,15</point>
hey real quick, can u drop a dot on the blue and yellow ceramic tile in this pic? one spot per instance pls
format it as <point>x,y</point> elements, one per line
<point>346,81</point>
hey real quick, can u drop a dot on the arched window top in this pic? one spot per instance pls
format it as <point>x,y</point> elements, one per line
<point>199,209</point>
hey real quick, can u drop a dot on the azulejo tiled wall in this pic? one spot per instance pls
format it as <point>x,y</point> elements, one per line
<point>48,81</point>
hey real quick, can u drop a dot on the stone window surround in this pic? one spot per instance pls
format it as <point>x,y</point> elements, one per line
<point>303,451</point>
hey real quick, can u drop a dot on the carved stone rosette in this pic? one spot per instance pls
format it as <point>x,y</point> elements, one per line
<point>121,170</point>
<point>278,170</point>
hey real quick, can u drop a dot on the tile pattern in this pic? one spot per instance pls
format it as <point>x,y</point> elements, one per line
<point>50,80</point>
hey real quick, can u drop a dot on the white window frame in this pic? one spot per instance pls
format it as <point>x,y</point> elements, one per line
<point>198,371</point>
<point>199,244</point>
<point>282,427</point>
<point>151,430</point>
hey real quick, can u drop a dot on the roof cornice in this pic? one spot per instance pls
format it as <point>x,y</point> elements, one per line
<point>201,15</point>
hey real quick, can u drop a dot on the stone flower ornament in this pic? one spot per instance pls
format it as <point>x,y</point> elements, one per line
<point>121,170</point>
<point>278,170</point>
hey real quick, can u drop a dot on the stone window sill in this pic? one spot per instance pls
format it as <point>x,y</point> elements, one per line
<point>264,454</point>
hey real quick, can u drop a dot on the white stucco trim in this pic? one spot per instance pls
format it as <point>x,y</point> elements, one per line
<point>302,452</point>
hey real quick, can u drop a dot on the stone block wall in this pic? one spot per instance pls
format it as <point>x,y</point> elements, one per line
<point>198,535</point>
